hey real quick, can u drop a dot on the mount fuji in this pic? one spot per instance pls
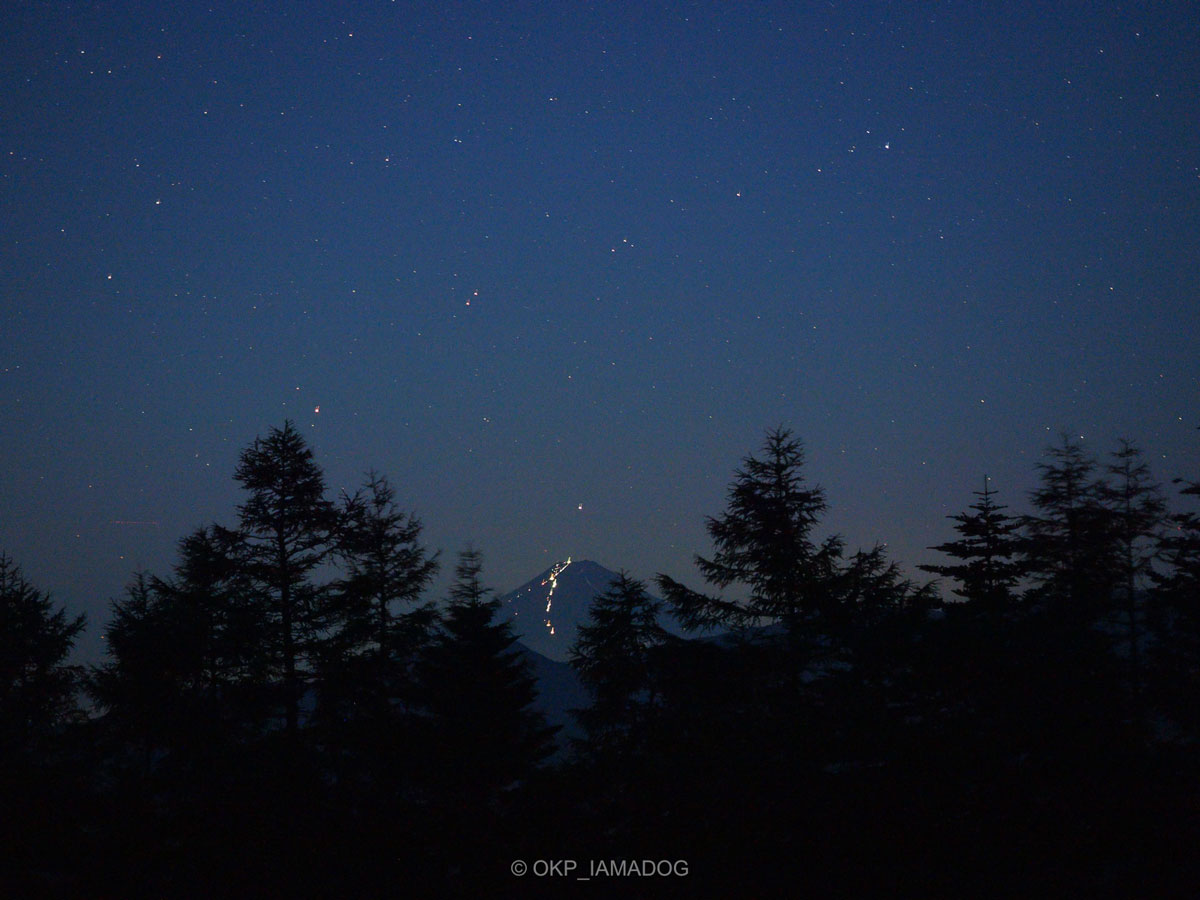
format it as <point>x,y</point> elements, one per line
<point>547,610</point>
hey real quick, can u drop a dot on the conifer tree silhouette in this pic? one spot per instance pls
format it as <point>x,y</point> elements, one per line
<point>1069,548</point>
<point>615,656</point>
<point>221,632</point>
<point>1136,514</point>
<point>988,547</point>
<point>1175,606</point>
<point>37,686</point>
<point>479,693</point>
<point>287,527</point>
<point>377,626</point>
<point>386,571</point>
<point>764,541</point>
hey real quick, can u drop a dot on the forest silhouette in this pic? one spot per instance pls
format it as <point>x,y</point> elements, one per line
<point>287,711</point>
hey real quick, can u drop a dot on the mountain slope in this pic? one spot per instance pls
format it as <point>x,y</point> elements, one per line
<point>559,692</point>
<point>547,610</point>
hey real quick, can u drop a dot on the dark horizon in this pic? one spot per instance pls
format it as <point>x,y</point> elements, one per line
<point>287,713</point>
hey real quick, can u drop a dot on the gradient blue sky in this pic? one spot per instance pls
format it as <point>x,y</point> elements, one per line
<point>528,257</point>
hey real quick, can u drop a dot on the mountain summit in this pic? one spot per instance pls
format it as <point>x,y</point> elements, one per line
<point>547,610</point>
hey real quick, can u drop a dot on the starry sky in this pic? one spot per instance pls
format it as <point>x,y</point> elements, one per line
<point>554,267</point>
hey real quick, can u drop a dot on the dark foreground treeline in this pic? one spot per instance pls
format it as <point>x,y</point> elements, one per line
<point>286,715</point>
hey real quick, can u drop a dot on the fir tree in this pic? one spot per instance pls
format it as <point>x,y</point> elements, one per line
<point>1176,608</point>
<point>139,687</point>
<point>1068,545</point>
<point>615,658</point>
<point>378,624</point>
<point>874,588</point>
<point>287,526</point>
<point>387,570</point>
<point>44,789</point>
<point>764,541</point>
<point>1179,550</point>
<point>221,631</point>
<point>1136,511</point>
<point>988,547</point>
<point>479,694</point>
<point>37,686</point>
<point>187,671</point>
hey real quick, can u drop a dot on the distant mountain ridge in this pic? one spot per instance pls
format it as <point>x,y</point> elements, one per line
<point>559,693</point>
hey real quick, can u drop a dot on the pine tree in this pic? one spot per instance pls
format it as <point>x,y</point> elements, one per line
<point>221,631</point>
<point>377,624</point>
<point>1176,607</point>
<point>875,589</point>
<point>37,686</point>
<point>387,569</point>
<point>1136,512</point>
<point>615,658</point>
<point>989,547</point>
<point>764,542</point>
<point>479,694</point>
<point>187,671</point>
<point>43,786</point>
<point>139,687</point>
<point>286,527</point>
<point>1068,545</point>
<point>1063,678</point>
<point>1179,550</point>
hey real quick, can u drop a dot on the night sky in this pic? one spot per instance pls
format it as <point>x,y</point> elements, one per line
<point>553,268</point>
